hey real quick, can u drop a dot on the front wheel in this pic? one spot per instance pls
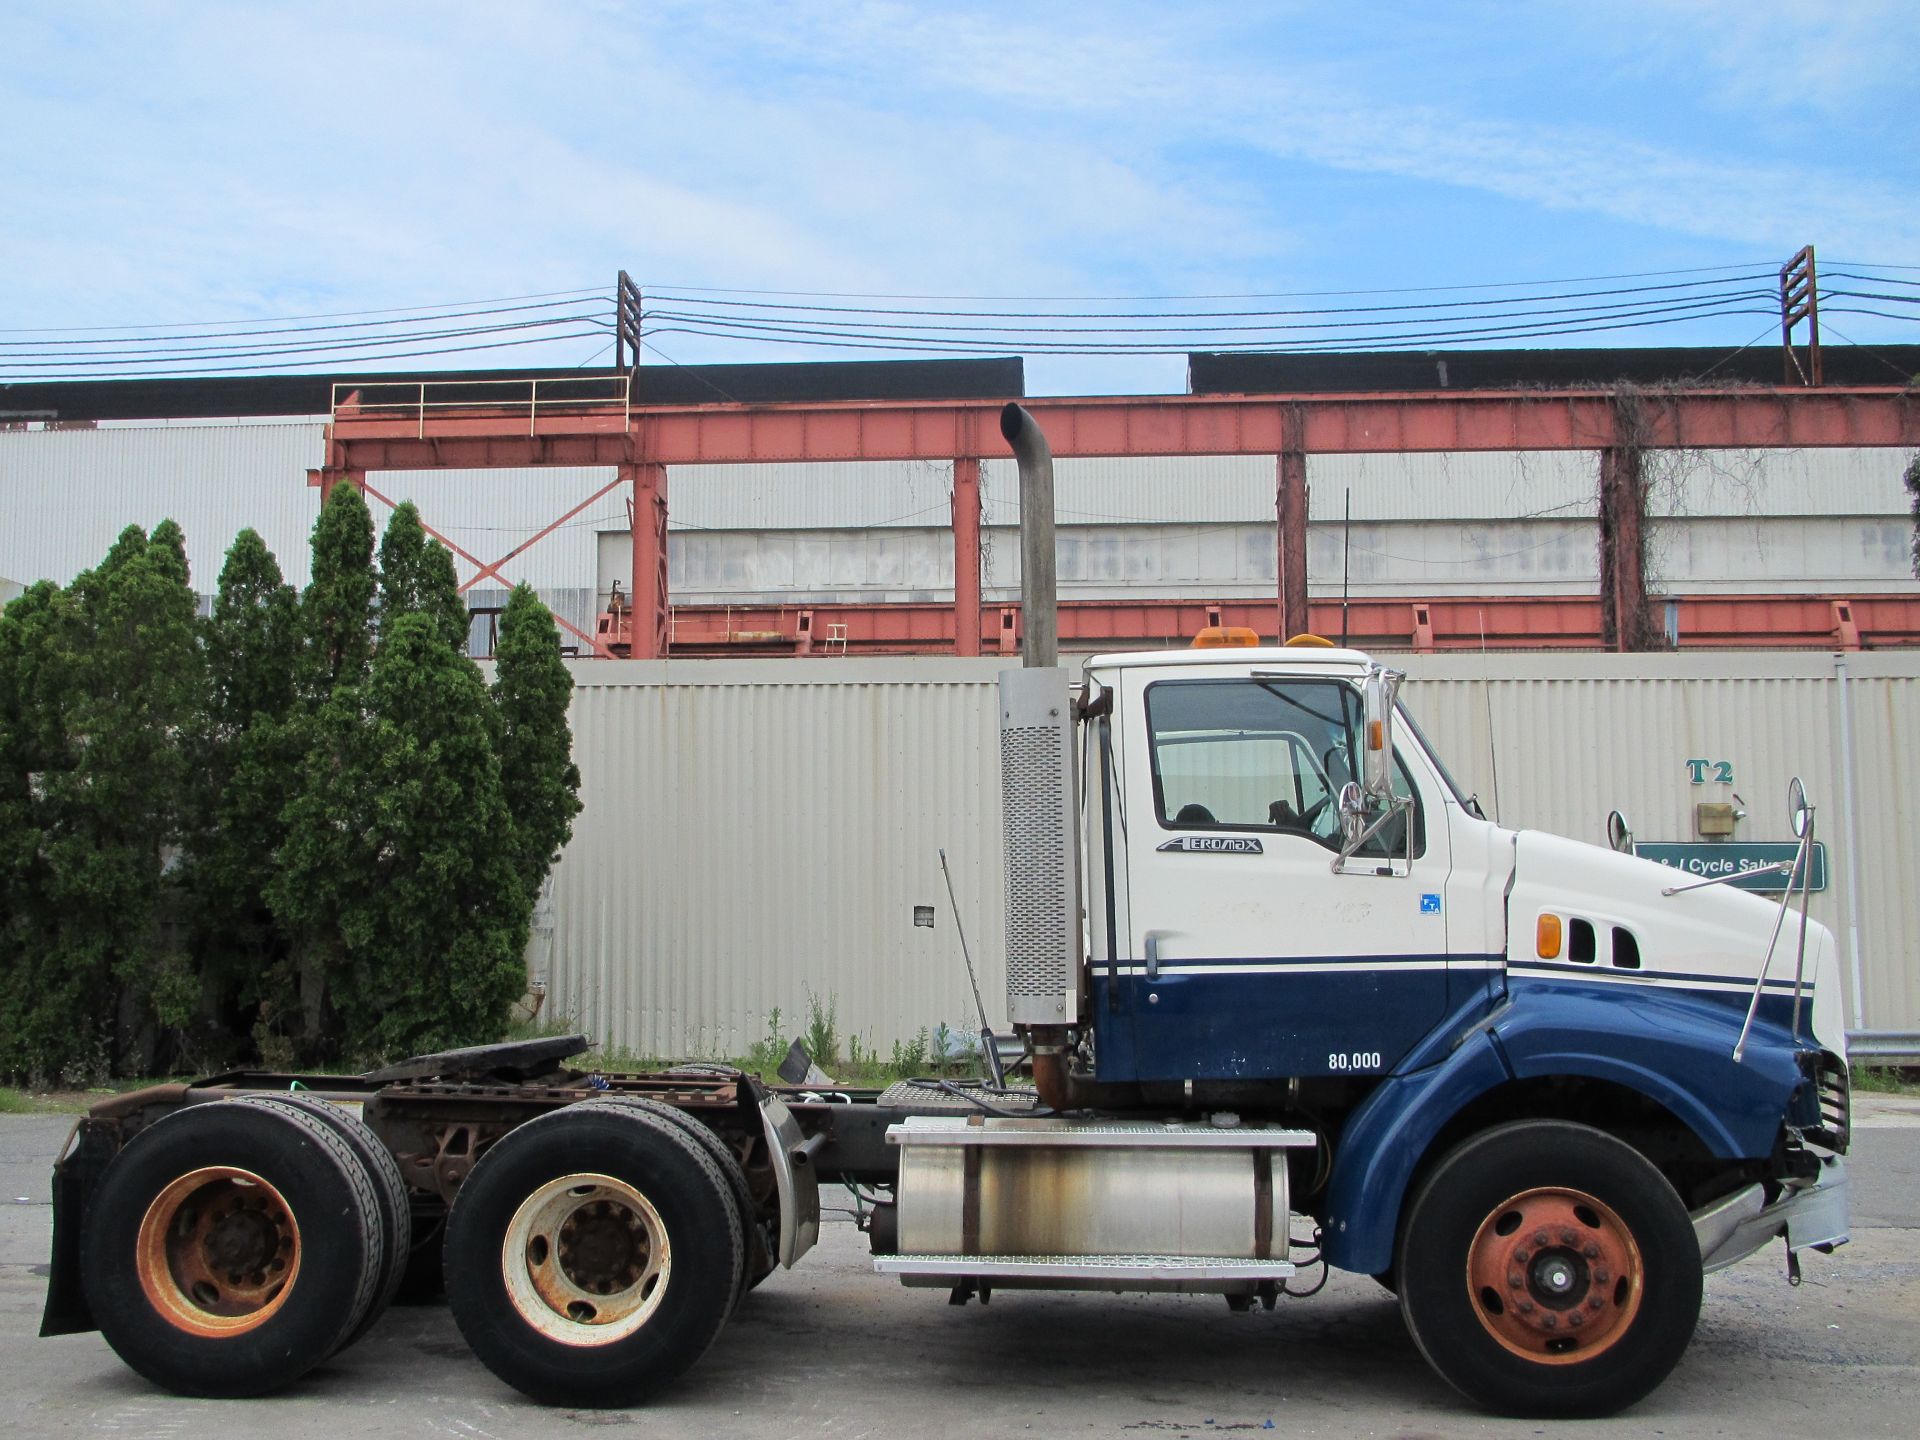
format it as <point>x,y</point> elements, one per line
<point>1547,1268</point>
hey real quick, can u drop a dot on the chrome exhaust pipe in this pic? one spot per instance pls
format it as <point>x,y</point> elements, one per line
<point>1039,589</point>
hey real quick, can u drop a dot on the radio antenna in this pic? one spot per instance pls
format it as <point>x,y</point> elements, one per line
<point>987,1047</point>
<point>1486,693</point>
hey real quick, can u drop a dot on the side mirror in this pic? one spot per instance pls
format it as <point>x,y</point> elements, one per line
<point>1619,833</point>
<point>1376,742</point>
<point>1799,812</point>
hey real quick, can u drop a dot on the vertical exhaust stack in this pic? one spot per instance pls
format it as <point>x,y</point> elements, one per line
<point>1038,809</point>
<point>1039,591</point>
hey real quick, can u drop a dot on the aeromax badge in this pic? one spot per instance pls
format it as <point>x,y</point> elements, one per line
<point>1216,844</point>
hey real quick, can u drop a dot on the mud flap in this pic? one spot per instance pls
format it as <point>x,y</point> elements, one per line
<point>76,1179</point>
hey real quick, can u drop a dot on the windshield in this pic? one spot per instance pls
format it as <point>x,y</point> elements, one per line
<point>1446,776</point>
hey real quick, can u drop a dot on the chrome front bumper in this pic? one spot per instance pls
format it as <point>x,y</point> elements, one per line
<point>1736,1225</point>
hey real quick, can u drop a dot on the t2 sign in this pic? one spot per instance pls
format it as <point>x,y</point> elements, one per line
<point>1722,771</point>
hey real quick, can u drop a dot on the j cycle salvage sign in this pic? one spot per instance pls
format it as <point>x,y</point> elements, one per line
<point>1715,862</point>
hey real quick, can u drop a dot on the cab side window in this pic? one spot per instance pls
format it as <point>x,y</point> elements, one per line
<point>1260,755</point>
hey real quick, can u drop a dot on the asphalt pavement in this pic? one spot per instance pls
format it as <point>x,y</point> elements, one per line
<point>830,1349</point>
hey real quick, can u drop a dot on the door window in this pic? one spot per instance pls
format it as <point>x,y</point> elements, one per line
<point>1262,755</point>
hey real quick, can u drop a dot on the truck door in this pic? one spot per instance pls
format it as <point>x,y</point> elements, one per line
<point>1246,956</point>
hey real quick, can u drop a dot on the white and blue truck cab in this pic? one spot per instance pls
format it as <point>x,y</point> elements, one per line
<point>1545,1087</point>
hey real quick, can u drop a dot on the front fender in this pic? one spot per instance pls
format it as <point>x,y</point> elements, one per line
<point>1383,1141</point>
<point>1674,1047</point>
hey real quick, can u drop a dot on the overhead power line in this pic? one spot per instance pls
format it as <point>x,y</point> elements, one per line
<point>1310,322</point>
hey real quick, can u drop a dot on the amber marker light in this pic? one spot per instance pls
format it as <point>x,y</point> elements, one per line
<point>1225,637</point>
<point>1547,937</point>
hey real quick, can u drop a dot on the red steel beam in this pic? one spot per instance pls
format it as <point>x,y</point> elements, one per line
<point>650,602</point>
<point>500,437</point>
<point>1379,622</point>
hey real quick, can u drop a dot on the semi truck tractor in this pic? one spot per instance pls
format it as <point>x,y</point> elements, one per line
<point>1288,998</point>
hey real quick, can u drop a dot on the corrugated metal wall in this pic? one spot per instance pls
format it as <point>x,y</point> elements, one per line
<point>65,494</point>
<point>757,832</point>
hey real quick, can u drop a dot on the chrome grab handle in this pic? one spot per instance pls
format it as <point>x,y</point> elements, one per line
<point>1151,941</point>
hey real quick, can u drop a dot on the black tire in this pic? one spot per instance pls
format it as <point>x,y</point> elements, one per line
<point>760,1261</point>
<point>611,1171</point>
<point>390,1191</point>
<point>1583,1324</point>
<point>167,1223</point>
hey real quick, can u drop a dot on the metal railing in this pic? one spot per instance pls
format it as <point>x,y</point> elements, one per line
<point>549,398</point>
<point>1895,1046</point>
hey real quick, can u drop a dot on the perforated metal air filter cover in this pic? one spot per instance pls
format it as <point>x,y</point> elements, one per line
<point>1042,856</point>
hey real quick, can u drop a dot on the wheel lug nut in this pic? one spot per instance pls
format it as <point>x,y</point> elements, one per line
<point>1600,1277</point>
<point>1541,1238</point>
<point>1567,1237</point>
<point>1525,1307</point>
<point>1594,1302</point>
<point>1549,1322</point>
<point>1592,1252</point>
<point>1521,1256</point>
<point>1514,1282</point>
<point>1576,1318</point>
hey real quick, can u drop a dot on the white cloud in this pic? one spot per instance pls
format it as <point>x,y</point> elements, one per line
<point>262,158</point>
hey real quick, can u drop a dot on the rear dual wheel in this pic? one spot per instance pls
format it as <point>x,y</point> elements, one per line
<point>760,1257</point>
<point>234,1246</point>
<point>594,1254</point>
<point>394,1209</point>
<point>1547,1268</point>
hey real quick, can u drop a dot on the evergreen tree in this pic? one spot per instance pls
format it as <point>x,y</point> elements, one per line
<point>324,818</point>
<point>336,612</point>
<point>33,704</point>
<point>435,919</point>
<point>104,682</point>
<point>531,692</point>
<point>417,577</point>
<point>246,772</point>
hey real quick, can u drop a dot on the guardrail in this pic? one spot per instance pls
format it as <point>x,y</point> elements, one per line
<point>1900,1047</point>
<point>548,397</point>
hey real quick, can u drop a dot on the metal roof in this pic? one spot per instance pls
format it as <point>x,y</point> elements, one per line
<point>226,396</point>
<point>1218,373</point>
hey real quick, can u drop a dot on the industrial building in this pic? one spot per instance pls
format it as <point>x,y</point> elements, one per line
<point>1782,564</point>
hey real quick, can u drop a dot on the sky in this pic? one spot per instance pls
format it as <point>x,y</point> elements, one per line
<point>183,163</point>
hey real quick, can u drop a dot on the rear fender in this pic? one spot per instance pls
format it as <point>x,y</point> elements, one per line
<point>791,1156</point>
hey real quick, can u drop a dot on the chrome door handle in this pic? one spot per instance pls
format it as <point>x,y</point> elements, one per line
<point>1151,942</point>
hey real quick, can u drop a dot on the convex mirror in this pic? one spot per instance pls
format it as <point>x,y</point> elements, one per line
<point>1379,690</point>
<point>1799,812</point>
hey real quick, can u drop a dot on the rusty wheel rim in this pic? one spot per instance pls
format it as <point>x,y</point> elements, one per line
<point>1555,1276</point>
<point>586,1259</point>
<point>218,1252</point>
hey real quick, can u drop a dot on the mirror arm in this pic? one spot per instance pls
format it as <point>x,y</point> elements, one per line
<point>1400,805</point>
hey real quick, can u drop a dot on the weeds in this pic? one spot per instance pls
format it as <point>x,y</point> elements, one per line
<point>823,1034</point>
<point>1887,1079</point>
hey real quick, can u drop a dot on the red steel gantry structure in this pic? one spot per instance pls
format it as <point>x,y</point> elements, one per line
<point>595,422</point>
